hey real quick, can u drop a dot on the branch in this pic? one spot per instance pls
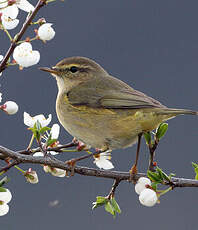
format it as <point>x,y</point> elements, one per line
<point>116,175</point>
<point>18,36</point>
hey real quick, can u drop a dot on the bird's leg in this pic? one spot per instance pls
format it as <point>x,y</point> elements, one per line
<point>133,171</point>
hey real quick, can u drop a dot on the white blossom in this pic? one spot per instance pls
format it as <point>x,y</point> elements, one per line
<point>30,121</point>
<point>24,5</point>
<point>46,32</point>
<point>58,172</point>
<point>0,97</point>
<point>10,107</point>
<point>148,197</point>
<point>12,11</point>
<point>4,209</point>
<point>25,56</point>
<point>141,184</point>
<point>31,176</point>
<point>9,23</point>
<point>55,131</point>
<point>102,160</point>
<point>54,171</point>
<point>5,198</point>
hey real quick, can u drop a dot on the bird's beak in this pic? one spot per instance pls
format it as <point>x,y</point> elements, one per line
<point>50,70</point>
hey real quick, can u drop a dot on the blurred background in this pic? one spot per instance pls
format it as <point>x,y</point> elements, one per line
<point>151,45</point>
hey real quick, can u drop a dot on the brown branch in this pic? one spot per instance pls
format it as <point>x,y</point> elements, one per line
<point>18,36</point>
<point>21,158</point>
<point>113,189</point>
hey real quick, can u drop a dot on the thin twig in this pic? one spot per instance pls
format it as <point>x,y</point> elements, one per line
<point>113,189</point>
<point>18,37</point>
<point>152,148</point>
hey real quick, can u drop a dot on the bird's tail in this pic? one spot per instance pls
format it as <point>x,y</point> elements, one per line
<point>175,112</point>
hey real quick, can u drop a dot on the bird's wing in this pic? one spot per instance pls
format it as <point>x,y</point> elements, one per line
<point>111,99</point>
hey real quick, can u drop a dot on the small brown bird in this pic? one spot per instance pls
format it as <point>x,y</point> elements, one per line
<point>101,110</point>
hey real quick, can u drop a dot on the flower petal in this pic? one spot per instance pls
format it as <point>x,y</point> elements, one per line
<point>55,131</point>
<point>24,55</point>
<point>38,154</point>
<point>25,5</point>
<point>103,164</point>
<point>46,32</point>
<point>9,23</point>
<point>4,209</point>
<point>6,196</point>
<point>148,197</point>
<point>28,120</point>
<point>11,11</point>
<point>58,172</point>
<point>11,107</point>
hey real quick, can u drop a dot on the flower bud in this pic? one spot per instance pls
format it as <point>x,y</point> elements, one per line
<point>4,209</point>
<point>6,196</point>
<point>141,184</point>
<point>148,197</point>
<point>10,107</point>
<point>46,32</point>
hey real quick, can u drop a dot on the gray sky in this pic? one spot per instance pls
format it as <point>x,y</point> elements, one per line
<point>151,45</point>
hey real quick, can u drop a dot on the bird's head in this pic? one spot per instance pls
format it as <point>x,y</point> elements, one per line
<point>72,71</point>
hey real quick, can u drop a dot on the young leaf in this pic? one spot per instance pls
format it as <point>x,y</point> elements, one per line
<point>51,141</point>
<point>44,129</point>
<point>115,205</point>
<point>96,205</point>
<point>161,130</point>
<point>154,176</point>
<point>147,137</point>
<point>2,189</point>
<point>101,199</point>
<point>194,165</point>
<point>109,208</point>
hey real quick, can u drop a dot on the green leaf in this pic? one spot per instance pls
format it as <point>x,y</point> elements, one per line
<point>96,205</point>
<point>51,141</point>
<point>109,208</point>
<point>163,174</point>
<point>44,129</point>
<point>159,173</point>
<point>161,130</point>
<point>154,176</point>
<point>147,137</point>
<point>194,165</point>
<point>196,177</point>
<point>2,189</point>
<point>101,199</point>
<point>115,205</point>
<point>154,185</point>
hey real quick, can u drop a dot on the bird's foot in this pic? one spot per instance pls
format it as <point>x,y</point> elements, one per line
<point>133,171</point>
<point>72,164</point>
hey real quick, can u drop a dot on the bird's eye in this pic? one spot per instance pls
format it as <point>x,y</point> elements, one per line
<point>73,69</point>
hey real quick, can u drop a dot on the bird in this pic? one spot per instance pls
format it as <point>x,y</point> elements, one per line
<point>102,111</point>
